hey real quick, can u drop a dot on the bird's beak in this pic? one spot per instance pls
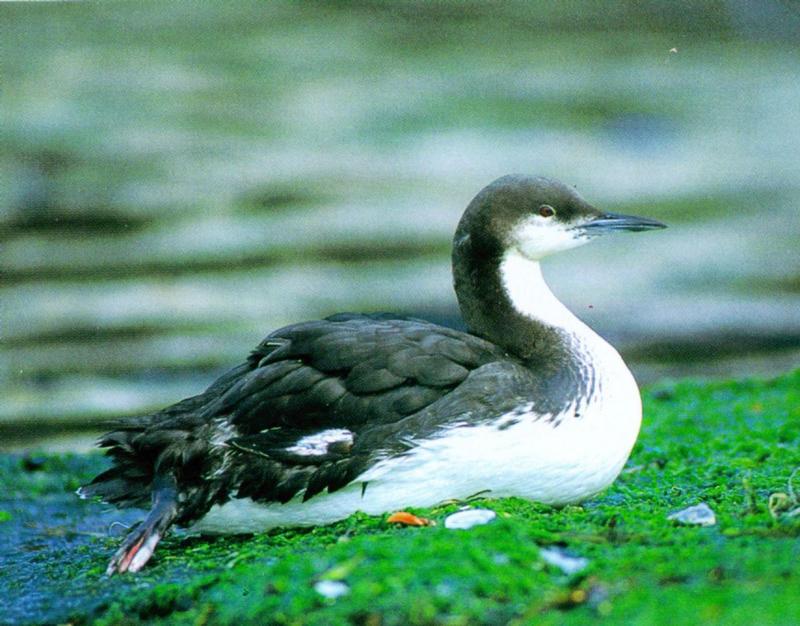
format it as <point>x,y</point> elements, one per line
<point>611,222</point>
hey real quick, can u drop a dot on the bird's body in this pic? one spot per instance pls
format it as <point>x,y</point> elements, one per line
<point>377,412</point>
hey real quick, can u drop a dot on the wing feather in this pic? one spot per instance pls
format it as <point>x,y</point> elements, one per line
<point>379,377</point>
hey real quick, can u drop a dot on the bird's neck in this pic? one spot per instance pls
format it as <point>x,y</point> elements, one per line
<point>529,295</point>
<point>504,298</point>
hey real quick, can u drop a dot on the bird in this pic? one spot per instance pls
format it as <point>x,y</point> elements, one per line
<point>374,412</point>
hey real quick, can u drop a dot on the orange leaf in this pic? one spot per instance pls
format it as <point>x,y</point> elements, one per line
<point>408,519</point>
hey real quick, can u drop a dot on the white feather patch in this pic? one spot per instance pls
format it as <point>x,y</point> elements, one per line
<point>317,444</point>
<point>537,237</point>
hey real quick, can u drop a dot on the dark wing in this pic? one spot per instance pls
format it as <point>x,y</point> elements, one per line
<point>322,398</point>
<point>347,371</point>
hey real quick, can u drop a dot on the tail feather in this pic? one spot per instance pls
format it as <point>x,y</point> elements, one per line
<point>138,447</point>
<point>120,485</point>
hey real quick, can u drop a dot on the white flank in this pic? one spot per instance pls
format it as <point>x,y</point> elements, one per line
<point>532,459</point>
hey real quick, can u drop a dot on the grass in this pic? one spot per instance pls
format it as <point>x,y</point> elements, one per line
<point>732,445</point>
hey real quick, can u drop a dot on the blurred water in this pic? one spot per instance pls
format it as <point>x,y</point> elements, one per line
<point>179,179</point>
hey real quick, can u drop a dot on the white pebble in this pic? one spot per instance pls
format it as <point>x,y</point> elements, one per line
<point>698,515</point>
<point>565,562</point>
<point>331,589</point>
<point>469,518</point>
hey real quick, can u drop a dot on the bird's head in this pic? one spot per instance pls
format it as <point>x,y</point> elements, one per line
<point>537,217</point>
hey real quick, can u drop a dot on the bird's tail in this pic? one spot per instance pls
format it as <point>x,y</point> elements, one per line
<point>144,450</point>
<point>128,481</point>
<point>175,440</point>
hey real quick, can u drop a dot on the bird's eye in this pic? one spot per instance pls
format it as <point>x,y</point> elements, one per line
<point>546,210</point>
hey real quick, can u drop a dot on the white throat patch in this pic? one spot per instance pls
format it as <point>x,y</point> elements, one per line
<point>530,295</point>
<point>537,237</point>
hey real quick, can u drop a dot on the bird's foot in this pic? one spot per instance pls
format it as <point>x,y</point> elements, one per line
<point>135,551</point>
<point>481,495</point>
<point>141,542</point>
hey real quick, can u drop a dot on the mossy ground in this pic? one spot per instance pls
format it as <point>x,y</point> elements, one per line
<point>732,445</point>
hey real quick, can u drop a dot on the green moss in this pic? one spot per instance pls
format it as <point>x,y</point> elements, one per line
<point>733,445</point>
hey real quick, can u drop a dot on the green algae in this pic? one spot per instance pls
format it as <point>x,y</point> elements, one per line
<point>732,445</point>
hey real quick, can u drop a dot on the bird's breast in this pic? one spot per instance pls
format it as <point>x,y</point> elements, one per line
<point>557,456</point>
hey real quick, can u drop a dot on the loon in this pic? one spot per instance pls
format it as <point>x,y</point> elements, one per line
<point>376,412</point>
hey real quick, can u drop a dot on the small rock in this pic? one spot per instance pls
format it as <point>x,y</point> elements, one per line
<point>469,518</point>
<point>331,589</point>
<point>697,515</point>
<point>565,562</point>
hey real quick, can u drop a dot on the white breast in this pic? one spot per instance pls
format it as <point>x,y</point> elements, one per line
<point>527,454</point>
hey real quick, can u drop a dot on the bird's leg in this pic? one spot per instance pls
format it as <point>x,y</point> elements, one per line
<point>140,544</point>
<point>481,495</point>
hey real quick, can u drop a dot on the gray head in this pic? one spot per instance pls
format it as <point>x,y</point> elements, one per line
<point>537,217</point>
<point>507,228</point>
